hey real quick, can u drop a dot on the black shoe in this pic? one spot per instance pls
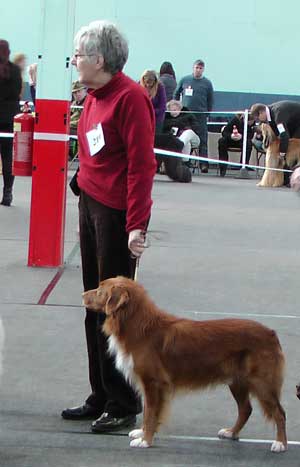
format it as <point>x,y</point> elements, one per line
<point>83,412</point>
<point>222,171</point>
<point>7,197</point>
<point>108,422</point>
<point>204,168</point>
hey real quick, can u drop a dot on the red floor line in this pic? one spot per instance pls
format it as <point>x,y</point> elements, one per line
<point>50,286</point>
<point>60,271</point>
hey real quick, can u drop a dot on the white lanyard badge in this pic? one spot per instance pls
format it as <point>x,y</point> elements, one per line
<point>95,139</point>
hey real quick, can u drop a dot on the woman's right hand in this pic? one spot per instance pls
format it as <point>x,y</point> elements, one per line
<point>136,242</point>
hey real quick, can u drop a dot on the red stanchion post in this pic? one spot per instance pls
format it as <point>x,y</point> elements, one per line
<point>50,138</point>
<point>48,196</point>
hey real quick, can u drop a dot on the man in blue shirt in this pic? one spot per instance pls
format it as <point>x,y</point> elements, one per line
<point>196,93</point>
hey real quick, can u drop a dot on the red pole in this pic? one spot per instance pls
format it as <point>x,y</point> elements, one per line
<point>49,176</point>
<point>50,138</point>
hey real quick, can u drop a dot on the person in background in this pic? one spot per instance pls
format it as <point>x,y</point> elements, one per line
<point>157,94</point>
<point>20,60</point>
<point>32,73</point>
<point>10,90</point>
<point>117,167</point>
<point>79,92</point>
<point>182,124</point>
<point>168,78</point>
<point>232,136</point>
<point>196,93</point>
<point>284,119</point>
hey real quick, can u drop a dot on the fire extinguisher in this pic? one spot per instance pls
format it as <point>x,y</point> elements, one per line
<point>23,142</point>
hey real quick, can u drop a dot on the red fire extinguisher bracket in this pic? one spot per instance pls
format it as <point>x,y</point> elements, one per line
<point>49,176</point>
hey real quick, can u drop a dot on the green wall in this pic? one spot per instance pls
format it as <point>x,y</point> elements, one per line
<point>248,45</point>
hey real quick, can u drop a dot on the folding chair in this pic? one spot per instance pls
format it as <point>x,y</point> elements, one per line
<point>195,164</point>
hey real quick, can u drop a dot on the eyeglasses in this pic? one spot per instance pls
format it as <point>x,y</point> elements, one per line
<point>83,55</point>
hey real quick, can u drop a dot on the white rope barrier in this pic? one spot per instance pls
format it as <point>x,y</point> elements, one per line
<point>179,155</point>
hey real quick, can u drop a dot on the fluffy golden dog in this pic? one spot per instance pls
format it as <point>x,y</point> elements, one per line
<point>160,354</point>
<point>273,178</point>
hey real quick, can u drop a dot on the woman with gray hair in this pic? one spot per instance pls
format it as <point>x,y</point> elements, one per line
<point>117,167</point>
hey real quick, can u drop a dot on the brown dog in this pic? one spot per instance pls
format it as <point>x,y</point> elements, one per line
<point>160,354</point>
<point>274,178</point>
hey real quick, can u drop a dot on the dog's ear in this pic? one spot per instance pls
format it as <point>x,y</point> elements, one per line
<point>118,297</point>
<point>268,135</point>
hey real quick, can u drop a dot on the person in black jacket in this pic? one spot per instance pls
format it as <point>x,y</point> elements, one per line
<point>232,137</point>
<point>182,124</point>
<point>178,135</point>
<point>10,89</point>
<point>284,119</point>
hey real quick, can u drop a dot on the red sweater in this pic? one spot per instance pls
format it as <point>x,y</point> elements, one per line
<point>121,174</point>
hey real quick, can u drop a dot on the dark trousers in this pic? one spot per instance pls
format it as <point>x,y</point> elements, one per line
<point>104,254</point>
<point>203,135</point>
<point>6,150</point>
<point>225,143</point>
<point>175,169</point>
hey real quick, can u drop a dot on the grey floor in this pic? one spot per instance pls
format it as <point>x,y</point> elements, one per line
<point>225,248</point>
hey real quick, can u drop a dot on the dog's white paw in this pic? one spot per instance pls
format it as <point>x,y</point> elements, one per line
<point>226,433</point>
<point>138,433</point>
<point>139,443</point>
<point>278,446</point>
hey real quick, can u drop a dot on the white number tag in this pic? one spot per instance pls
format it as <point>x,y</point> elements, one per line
<point>95,139</point>
<point>281,128</point>
<point>189,91</point>
<point>174,130</point>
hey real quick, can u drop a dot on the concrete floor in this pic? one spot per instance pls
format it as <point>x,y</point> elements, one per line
<point>224,248</point>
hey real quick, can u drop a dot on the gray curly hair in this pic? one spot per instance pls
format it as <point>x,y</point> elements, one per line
<point>103,38</point>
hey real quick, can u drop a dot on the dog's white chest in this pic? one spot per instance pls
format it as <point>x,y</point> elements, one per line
<point>124,362</point>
